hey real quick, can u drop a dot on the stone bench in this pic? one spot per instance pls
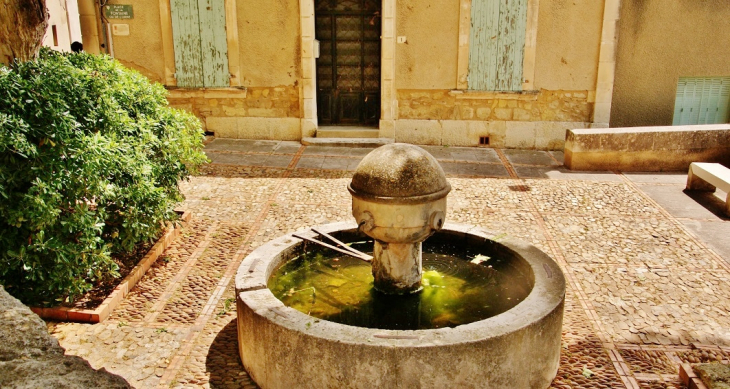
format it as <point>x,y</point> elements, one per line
<point>708,177</point>
<point>649,149</point>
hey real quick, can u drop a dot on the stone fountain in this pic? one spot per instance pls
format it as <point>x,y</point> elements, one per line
<point>399,200</point>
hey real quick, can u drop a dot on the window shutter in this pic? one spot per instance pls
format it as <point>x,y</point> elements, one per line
<point>199,39</point>
<point>702,100</point>
<point>723,101</point>
<point>186,41</point>
<point>213,43</point>
<point>497,44</point>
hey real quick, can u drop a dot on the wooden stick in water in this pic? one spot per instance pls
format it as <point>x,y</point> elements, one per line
<point>329,246</point>
<point>344,245</point>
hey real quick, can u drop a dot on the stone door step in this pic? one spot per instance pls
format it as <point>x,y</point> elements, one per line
<point>347,142</point>
<point>347,132</point>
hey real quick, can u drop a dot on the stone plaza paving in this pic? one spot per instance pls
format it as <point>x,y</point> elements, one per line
<point>647,265</point>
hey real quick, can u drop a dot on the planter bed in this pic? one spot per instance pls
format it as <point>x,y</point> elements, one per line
<point>105,308</point>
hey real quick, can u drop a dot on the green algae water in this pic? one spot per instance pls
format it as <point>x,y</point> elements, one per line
<point>457,289</point>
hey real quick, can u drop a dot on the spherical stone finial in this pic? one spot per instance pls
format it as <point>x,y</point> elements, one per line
<point>399,173</point>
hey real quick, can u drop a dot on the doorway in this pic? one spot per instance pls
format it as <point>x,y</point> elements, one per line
<point>348,67</point>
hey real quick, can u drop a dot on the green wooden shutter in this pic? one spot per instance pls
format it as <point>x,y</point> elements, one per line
<point>497,44</point>
<point>199,37</point>
<point>213,43</point>
<point>702,100</point>
<point>186,38</point>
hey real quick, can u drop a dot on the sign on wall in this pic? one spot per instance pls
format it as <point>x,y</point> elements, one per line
<point>119,11</point>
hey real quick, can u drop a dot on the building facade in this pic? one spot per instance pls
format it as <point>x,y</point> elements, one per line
<point>502,73</point>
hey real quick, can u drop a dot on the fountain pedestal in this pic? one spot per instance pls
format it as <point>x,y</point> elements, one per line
<point>397,267</point>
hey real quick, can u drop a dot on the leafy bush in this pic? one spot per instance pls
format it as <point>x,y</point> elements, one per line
<point>90,158</point>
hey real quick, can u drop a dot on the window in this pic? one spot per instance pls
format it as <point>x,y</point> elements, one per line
<point>702,100</point>
<point>497,44</point>
<point>199,36</point>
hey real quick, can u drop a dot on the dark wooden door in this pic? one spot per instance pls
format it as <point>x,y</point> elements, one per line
<point>348,68</point>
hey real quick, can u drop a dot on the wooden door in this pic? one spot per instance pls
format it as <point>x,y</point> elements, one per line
<point>348,68</point>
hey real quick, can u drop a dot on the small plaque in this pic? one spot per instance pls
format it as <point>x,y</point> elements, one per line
<point>120,29</point>
<point>119,11</point>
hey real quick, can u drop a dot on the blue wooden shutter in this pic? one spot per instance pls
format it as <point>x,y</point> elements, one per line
<point>702,100</point>
<point>213,43</point>
<point>497,44</point>
<point>199,36</point>
<point>186,38</point>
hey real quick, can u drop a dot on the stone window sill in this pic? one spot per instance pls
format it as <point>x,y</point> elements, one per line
<point>213,93</point>
<point>487,95</point>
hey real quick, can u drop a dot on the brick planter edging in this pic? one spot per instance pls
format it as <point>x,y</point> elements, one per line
<point>117,295</point>
<point>689,378</point>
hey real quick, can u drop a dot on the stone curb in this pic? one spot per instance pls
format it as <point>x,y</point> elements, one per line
<point>347,142</point>
<point>103,311</point>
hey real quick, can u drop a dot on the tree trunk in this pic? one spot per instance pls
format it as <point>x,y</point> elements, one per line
<point>23,26</point>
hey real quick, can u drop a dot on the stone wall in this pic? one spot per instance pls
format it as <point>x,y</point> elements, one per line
<point>670,148</point>
<point>282,102</point>
<point>658,42</point>
<point>561,106</point>
<point>258,113</point>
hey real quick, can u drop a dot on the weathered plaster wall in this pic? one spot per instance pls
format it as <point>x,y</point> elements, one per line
<point>268,34</point>
<point>58,17</point>
<point>428,58</point>
<point>660,41</point>
<point>568,44</point>
<point>142,49</point>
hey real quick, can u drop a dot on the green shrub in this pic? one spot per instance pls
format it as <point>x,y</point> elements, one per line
<point>90,158</point>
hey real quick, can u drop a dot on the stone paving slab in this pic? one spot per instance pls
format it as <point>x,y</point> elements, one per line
<point>464,154</point>
<point>644,291</point>
<point>716,234</point>
<point>561,173</point>
<point>688,205</point>
<point>531,157</point>
<point>475,169</point>
<point>657,178</point>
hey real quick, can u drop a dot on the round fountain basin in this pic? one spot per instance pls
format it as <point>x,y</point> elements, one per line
<point>282,347</point>
<point>461,284</point>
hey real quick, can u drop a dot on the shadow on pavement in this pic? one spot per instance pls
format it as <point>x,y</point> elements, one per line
<point>709,201</point>
<point>223,363</point>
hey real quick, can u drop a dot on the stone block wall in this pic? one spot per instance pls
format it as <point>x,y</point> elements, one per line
<point>255,113</point>
<point>529,120</point>
<point>544,105</point>
<point>668,148</point>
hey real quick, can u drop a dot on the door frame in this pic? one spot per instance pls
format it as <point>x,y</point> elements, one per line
<point>388,102</point>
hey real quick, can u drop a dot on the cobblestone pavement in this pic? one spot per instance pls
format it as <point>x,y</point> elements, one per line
<point>644,292</point>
